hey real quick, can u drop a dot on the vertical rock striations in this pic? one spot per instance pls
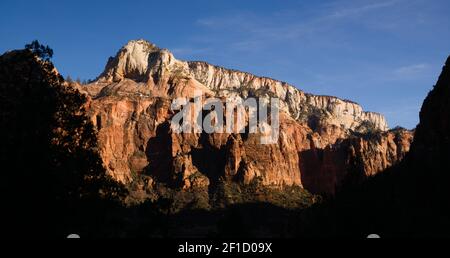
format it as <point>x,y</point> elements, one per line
<point>323,140</point>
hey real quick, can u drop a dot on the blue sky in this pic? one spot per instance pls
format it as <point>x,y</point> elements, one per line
<point>384,54</point>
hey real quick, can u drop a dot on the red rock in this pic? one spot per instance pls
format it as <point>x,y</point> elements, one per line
<point>130,106</point>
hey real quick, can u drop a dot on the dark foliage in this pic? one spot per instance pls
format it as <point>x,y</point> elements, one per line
<point>41,51</point>
<point>48,152</point>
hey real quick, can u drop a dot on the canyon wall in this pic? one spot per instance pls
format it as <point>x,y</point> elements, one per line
<point>321,143</point>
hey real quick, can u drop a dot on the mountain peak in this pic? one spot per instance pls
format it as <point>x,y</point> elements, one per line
<point>130,62</point>
<point>142,61</point>
<point>140,44</point>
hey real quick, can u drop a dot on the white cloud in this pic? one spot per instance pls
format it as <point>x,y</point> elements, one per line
<point>252,29</point>
<point>352,11</point>
<point>411,70</point>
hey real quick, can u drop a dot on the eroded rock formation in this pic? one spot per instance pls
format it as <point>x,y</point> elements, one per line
<point>323,140</point>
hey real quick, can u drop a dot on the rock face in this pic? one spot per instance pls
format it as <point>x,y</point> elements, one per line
<point>320,145</point>
<point>352,160</point>
<point>295,102</point>
<point>433,139</point>
<point>431,148</point>
<point>132,62</point>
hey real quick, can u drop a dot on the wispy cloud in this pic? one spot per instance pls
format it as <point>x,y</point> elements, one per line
<point>411,70</point>
<point>256,32</point>
<point>357,49</point>
<point>358,10</point>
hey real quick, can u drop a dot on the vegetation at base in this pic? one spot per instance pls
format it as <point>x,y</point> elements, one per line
<point>290,197</point>
<point>230,209</point>
<point>169,200</point>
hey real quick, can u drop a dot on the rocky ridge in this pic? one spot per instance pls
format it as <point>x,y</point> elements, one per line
<point>319,147</point>
<point>142,61</point>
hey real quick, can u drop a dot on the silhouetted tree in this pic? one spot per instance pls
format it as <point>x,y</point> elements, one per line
<point>52,174</point>
<point>43,52</point>
<point>69,79</point>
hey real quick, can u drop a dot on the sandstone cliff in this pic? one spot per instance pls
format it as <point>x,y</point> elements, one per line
<point>319,145</point>
<point>142,61</point>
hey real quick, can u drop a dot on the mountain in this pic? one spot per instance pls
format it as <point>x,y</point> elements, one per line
<point>324,141</point>
<point>61,140</point>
